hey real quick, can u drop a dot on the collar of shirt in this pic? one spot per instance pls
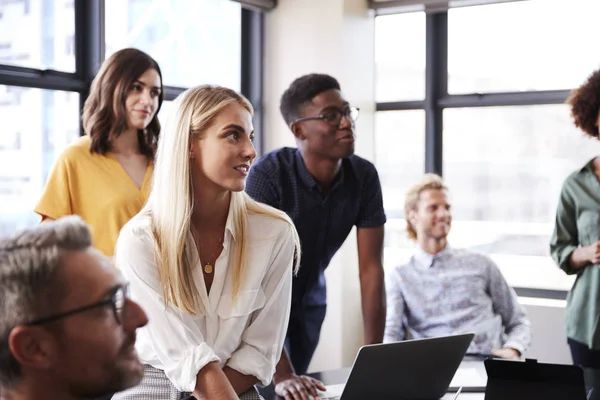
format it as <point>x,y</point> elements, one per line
<point>308,179</point>
<point>229,225</point>
<point>589,166</point>
<point>424,260</point>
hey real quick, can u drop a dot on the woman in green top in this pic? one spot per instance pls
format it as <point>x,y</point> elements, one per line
<point>575,243</point>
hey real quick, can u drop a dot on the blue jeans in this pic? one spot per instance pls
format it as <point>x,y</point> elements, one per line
<point>303,334</point>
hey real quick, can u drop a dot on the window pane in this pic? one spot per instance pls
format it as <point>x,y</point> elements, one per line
<point>193,41</point>
<point>524,45</point>
<point>400,57</point>
<point>37,126</point>
<point>400,161</point>
<point>505,167</point>
<point>38,34</point>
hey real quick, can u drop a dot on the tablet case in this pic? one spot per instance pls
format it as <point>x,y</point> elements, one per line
<point>526,380</point>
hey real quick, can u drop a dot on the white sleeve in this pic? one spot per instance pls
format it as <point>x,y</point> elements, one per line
<point>173,334</point>
<point>262,341</point>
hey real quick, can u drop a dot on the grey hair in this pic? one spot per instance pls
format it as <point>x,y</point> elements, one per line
<point>29,261</point>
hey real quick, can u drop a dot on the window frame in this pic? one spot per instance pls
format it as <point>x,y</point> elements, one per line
<point>89,55</point>
<point>437,99</point>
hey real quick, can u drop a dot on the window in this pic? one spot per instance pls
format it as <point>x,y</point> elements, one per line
<point>400,161</point>
<point>37,126</point>
<point>42,93</point>
<point>522,46</point>
<point>193,41</point>
<point>399,154</point>
<point>400,57</point>
<point>505,167</point>
<point>501,135</point>
<point>37,34</point>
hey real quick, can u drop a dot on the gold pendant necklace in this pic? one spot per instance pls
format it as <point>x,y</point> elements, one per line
<point>208,269</point>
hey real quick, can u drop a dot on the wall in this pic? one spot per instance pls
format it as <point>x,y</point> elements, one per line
<point>548,328</point>
<point>337,37</point>
<point>334,37</point>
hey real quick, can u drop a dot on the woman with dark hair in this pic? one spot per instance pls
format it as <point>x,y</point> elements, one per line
<point>575,243</point>
<point>105,176</point>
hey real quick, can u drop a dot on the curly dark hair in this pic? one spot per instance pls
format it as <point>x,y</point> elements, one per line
<point>302,91</point>
<point>104,110</point>
<point>585,105</point>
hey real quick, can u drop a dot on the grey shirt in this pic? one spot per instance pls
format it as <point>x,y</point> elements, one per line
<point>455,292</point>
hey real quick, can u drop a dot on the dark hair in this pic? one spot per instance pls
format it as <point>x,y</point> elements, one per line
<point>302,91</point>
<point>104,110</point>
<point>585,105</point>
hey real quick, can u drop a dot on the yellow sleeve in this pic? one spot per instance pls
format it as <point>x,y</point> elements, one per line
<point>55,201</point>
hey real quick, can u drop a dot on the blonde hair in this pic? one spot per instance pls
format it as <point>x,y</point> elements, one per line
<point>171,200</point>
<point>428,181</point>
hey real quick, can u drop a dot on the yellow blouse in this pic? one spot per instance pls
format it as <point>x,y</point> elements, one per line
<point>95,187</point>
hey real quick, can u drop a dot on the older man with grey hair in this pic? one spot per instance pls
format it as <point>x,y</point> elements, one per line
<point>67,325</point>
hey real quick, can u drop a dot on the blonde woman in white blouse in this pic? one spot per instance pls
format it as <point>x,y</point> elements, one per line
<point>211,267</point>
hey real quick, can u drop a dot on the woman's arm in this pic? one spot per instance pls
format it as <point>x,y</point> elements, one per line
<point>262,341</point>
<point>564,244</point>
<point>55,201</point>
<point>212,383</point>
<point>241,383</point>
<point>175,337</point>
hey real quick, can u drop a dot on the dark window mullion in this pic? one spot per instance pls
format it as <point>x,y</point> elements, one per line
<point>436,87</point>
<point>252,69</point>
<point>89,43</point>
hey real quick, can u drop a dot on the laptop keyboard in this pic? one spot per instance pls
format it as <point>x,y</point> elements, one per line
<point>333,392</point>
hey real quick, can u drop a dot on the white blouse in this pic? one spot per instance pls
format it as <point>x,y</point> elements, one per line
<point>247,335</point>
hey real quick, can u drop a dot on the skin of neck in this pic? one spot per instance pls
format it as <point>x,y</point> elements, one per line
<point>324,170</point>
<point>432,245</point>
<point>126,143</point>
<point>210,210</point>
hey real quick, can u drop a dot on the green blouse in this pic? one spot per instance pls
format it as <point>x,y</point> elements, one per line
<point>578,224</point>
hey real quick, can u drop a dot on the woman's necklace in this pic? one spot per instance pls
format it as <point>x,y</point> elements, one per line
<point>208,267</point>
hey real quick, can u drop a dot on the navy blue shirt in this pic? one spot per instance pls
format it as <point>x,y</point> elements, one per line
<point>280,179</point>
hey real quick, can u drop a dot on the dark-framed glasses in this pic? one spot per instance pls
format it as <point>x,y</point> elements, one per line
<point>117,302</point>
<point>334,116</point>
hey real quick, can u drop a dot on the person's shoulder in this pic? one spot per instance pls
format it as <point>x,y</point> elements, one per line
<point>78,154</point>
<point>77,149</point>
<point>473,257</point>
<point>404,267</point>
<point>362,167</point>
<point>138,228</point>
<point>276,160</point>
<point>575,178</point>
<point>270,222</point>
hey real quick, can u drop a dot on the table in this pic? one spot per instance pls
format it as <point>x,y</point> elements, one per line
<point>469,375</point>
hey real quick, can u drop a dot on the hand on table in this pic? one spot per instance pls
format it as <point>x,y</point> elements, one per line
<point>294,387</point>
<point>507,353</point>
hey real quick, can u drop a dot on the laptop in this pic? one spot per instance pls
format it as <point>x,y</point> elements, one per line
<point>419,369</point>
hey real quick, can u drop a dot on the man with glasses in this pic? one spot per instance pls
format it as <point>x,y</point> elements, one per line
<point>326,190</point>
<point>67,326</point>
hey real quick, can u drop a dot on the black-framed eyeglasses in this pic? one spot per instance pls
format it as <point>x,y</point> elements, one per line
<point>334,116</point>
<point>117,301</point>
